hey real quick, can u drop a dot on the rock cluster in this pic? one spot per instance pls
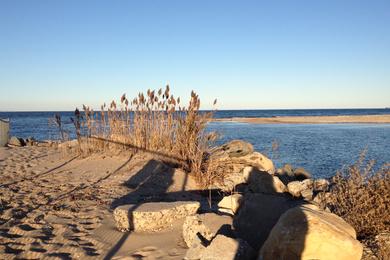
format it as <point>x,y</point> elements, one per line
<point>272,216</point>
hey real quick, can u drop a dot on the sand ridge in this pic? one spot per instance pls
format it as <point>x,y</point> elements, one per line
<point>372,119</point>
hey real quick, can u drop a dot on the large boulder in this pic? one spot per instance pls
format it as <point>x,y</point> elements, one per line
<point>305,232</point>
<point>320,185</point>
<point>202,228</point>
<point>229,161</point>
<point>230,204</point>
<point>258,215</point>
<point>263,182</point>
<point>153,216</point>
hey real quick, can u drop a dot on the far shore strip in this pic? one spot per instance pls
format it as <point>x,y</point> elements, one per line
<point>372,119</point>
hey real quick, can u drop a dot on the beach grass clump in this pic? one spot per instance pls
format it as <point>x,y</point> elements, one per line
<point>154,122</point>
<point>361,195</point>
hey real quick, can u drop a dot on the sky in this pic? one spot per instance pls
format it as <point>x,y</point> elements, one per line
<point>58,55</point>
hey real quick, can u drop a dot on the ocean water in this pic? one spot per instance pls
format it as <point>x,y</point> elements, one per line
<point>322,149</point>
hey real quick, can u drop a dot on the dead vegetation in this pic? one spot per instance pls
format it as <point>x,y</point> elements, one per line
<point>154,122</point>
<point>361,196</point>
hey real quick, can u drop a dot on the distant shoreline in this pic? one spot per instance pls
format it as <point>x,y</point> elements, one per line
<point>371,119</point>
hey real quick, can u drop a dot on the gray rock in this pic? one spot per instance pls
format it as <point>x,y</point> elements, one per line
<point>235,148</point>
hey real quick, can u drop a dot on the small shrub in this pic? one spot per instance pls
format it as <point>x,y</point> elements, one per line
<point>361,196</point>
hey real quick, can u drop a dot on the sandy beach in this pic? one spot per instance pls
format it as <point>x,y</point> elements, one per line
<point>56,205</point>
<point>371,119</point>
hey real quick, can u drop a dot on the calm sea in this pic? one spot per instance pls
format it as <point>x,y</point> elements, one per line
<point>320,148</point>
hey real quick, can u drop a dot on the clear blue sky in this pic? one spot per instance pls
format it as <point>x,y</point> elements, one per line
<point>56,55</point>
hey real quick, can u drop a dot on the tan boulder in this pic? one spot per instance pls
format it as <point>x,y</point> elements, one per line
<point>306,232</point>
<point>263,182</point>
<point>321,185</point>
<point>203,227</point>
<point>301,188</point>
<point>153,216</point>
<point>232,160</point>
<point>230,204</point>
<point>226,248</point>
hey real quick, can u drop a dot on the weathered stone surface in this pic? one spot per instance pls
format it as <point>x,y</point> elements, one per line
<point>15,141</point>
<point>153,216</point>
<point>232,158</point>
<point>305,232</point>
<point>307,194</point>
<point>195,252</point>
<point>300,188</point>
<point>320,185</point>
<point>230,204</point>
<point>301,174</point>
<point>202,228</point>
<point>263,182</point>
<point>235,148</point>
<point>226,248</point>
<point>258,214</point>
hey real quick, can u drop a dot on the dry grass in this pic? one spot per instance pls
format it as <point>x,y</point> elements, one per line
<point>361,196</point>
<point>153,122</point>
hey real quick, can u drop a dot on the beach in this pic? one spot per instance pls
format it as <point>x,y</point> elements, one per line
<point>367,119</point>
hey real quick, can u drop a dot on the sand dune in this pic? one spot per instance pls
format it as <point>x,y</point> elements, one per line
<point>377,119</point>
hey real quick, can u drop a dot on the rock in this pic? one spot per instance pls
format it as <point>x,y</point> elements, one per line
<point>226,248</point>
<point>286,174</point>
<point>231,159</point>
<point>320,185</point>
<point>258,214</point>
<point>305,232</point>
<point>263,182</point>
<point>300,188</point>
<point>301,174</point>
<point>307,194</point>
<point>202,228</point>
<point>15,141</point>
<point>153,216</point>
<point>195,252</point>
<point>230,204</point>
<point>235,148</point>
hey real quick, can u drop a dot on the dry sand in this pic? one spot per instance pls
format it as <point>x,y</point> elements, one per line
<point>377,119</point>
<point>59,206</point>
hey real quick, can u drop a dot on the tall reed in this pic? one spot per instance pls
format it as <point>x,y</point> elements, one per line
<point>155,121</point>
